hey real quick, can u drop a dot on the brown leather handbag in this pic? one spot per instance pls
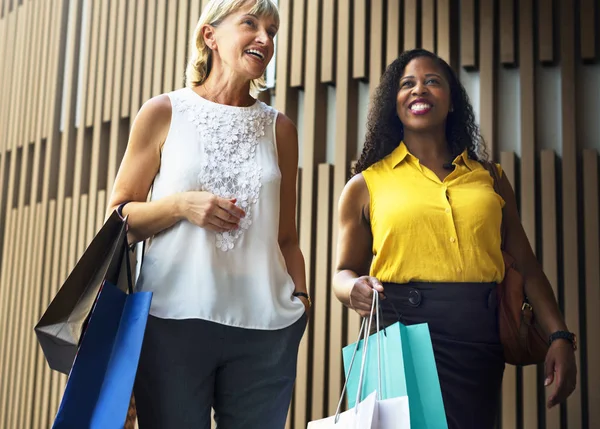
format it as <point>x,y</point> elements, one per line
<point>522,338</point>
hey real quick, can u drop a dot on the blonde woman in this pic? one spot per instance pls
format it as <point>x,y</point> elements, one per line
<point>230,300</point>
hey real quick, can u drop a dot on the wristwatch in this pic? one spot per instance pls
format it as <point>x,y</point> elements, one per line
<point>305,295</point>
<point>564,335</point>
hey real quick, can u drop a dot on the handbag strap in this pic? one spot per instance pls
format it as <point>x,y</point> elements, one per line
<point>493,170</point>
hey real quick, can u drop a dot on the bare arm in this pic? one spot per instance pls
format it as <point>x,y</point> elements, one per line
<point>560,361</point>
<point>140,165</point>
<point>351,284</point>
<point>287,148</point>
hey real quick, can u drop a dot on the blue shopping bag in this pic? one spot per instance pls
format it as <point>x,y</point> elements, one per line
<point>407,369</point>
<point>101,381</point>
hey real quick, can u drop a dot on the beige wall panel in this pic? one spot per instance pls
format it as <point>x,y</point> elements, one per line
<point>98,137</point>
<point>546,30</point>
<point>487,74</point>
<point>159,47</point>
<point>195,11</point>
<point>111,59</point>
<point>170,41</point>
<point>550,260</point>
<point>377,41</point>
<point>94,54</point>
<point>428,25</point>
<point>359,40</point>
<point>570,193</point>
<point>444,33</point>
<point>507,30</point>
<point>468,36</point>
<point>345,123</point>
<point>509,383</point>
<point>285,98</point>
<point>138,60</point>
<point>181,43</point>
<point>319,320</point>
<point>313,153</point>
<point>527,177</point>
<point>116,125</point>
<point>149,50</point>
<point>591,195</point>
<point>299,43</point>
<point>393,29</point>
<point>410,24</point>
<point>328,41</point>
<point>131,28</point>
<point>587,11</point>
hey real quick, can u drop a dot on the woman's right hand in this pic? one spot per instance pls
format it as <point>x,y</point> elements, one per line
<point>361,294</point>
<point>211,212</point>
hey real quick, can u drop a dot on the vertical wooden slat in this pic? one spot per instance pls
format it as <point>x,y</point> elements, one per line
<point>591,211</point>
<point>320,321</point>
<point>507,31</point>
<point>298,44</point>
<point>428,25</point>
<point>410,24</point>
<point>527,177</point>
<point>159,47</point>
<point>546,30</point>
<point>468,36</point>
<point>138,63</point>
<point>116,126</point>
<point>444,34</point>
<point>131,27</point>
<point>588,29</point>
<point>392,45</point>
<point>195,10</point>
<point>149,50</point>
<point>113,36</point>
<point>509,382</point>
<point>570,193</point>
<point>345,120</point>
<point>285,100</point>
<point>550,259</point>
<point>97,135</point>
<point>313,153</point>
<point>487,73</point>
<point>359,39</point>
<point>170,41</point>
<point>376,50</point>
<point>328,41</point>
<point>181,43</point>
<point>94,53</point>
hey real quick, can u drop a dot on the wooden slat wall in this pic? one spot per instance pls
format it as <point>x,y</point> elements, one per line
<point>75,73</point>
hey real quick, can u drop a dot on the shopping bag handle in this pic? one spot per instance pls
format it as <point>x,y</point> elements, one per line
<point>365,329</point>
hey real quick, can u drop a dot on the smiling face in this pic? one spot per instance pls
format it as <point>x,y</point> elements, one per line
<point>242,42</point>
<point>424,100</point>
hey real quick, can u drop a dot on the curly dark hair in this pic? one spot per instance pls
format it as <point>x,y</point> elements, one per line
<point>385,131</point>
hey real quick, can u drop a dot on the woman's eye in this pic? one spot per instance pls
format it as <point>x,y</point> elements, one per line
<point>249,22</point>
<point>434,81</point>
<point>406,83</point>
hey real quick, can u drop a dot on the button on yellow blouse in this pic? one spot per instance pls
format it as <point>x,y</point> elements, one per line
<point>426,230</point>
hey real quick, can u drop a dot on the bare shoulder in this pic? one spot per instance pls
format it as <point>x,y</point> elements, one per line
<point>153,120</point>
<point>355,197</point>
<point>285,129</point>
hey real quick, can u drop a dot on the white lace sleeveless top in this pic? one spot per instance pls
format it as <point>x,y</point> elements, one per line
<point>236,278</point>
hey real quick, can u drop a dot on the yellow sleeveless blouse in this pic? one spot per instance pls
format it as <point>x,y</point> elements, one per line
<point>427,230</point>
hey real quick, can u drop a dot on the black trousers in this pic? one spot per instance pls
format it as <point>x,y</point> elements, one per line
<point>463,322</point>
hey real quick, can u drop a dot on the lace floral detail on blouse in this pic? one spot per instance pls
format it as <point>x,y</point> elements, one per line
<point>229,168</point>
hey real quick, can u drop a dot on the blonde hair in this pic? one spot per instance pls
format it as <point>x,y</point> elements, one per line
<point>200,62</point>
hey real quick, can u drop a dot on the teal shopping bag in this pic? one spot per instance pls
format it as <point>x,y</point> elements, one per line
<point>407,369</point>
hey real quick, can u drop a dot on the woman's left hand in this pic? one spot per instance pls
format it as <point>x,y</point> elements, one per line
<point>560,367</point>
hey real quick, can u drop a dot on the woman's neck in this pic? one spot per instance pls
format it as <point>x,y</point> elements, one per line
<point>428,147</point>
<point>223,88</point>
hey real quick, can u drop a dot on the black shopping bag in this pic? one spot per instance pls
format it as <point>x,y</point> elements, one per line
<point>60,329</point>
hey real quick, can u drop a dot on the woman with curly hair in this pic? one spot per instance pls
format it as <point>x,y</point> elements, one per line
<point>420,223</point>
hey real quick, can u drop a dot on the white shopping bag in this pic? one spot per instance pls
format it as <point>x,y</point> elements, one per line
<point>360,417</point>
<point>392,413</point>
<point>371,413</point>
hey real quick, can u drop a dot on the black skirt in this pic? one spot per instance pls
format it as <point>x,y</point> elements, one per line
<point>463,322</point>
